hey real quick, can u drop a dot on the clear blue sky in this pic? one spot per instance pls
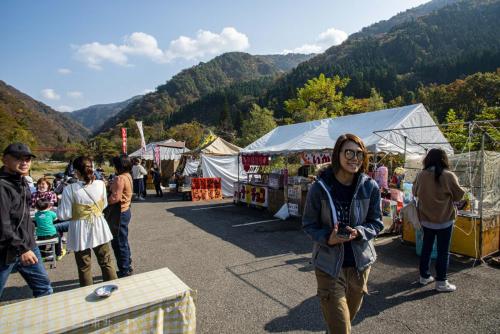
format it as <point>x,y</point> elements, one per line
<point>72,54</point>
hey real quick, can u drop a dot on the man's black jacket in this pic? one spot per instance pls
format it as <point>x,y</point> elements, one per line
<point>17,230</point>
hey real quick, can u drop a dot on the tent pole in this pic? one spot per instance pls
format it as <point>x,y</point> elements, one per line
<point>481,195</point>
<point>404,155</point>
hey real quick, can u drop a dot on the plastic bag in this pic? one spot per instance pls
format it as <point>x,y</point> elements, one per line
<point>283,213</point>
<point>410,212</point>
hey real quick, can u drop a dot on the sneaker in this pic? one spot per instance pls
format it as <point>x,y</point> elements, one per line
<point>63,253</point>
<point>425,281</point>
<point>141,198</point>
<point>445,286</point>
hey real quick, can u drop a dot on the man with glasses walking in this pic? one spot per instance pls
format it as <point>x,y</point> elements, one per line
<point>18,249</point>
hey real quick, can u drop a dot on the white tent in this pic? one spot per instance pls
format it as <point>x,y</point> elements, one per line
<point>166,152</point>
<point>225,167</point>
<point>219,158</point>
<point>407,127</point>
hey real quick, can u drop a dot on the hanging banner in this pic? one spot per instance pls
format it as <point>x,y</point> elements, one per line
<point>254,160</point>
<point>124,140</point>
<point>156,154</point>
<point>315,158</point>
<point>141,132</point>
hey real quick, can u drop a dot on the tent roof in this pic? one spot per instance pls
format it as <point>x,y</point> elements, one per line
<point>166,151</point>
<point>218,147</point>
<point>322,134</point>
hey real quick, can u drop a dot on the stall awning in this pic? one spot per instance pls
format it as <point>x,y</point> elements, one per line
<point>322,134</point>
<point>169,150</point>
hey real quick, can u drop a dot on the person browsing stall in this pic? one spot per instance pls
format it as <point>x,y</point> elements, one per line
<point>82,204</point>
<point>436,188</point>
<point>342,216</point>
<point>18,249</point>
<point>121,194</point>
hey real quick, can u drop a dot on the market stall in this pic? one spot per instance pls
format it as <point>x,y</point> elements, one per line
<point>311,144</point>
<point>167,152</point>
<point>214,158</point>
<point>477,227</point>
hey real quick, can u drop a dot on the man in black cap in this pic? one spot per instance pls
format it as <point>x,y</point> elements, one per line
<point>18,249</point>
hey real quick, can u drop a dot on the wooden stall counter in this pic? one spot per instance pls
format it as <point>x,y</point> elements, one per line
<point>472,236</point>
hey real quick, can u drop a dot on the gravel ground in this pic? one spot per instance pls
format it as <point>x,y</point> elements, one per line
<point>257,278</point>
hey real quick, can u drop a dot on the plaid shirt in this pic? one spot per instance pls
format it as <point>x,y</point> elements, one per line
<point>46,195</point>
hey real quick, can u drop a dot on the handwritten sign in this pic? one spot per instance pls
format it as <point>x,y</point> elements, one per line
<point>206,188</point>
<point>250,194</point>
<point>315,158</point>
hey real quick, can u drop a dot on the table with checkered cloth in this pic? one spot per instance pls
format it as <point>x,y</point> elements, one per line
<point>152,302</point>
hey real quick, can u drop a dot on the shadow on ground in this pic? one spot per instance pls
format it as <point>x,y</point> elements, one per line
<point>11,294</point>
<point>393,281</point>
<point>222,219</point>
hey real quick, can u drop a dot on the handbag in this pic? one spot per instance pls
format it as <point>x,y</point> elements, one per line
<point>410,211</point>
<point>112,215</point>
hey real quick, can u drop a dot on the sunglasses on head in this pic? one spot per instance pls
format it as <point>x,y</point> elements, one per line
<point>350,154</point>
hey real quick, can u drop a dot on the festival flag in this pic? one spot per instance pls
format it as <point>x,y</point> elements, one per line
<point>124,140</point>
<point>141,132</point>
<point>156,154</point>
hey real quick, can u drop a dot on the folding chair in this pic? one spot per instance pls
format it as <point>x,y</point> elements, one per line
<point>52,242</point>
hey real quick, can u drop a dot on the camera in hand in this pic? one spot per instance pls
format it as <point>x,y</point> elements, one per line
<point>343,232</point>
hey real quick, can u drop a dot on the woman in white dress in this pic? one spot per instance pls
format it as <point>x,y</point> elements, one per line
<point>82,204</point>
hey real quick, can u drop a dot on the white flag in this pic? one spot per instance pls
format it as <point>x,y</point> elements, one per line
<point>141,132</point>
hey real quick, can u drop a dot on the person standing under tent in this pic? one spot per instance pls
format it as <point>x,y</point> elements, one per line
<point>155,172</point>
<point>82,203</point>
<point>138,173</point>
<point>18,249</point>
<point>145,179</point>
<point>121,194</point>
<point>342,216</point>
<point>436,188</point>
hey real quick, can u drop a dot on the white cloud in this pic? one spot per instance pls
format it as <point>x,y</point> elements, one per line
<point>326,39</point>
<point>147,91</point>
<point>75,94</point>
<point>64,71</point>
<point>65,109</point>
<point>141,44</point>
<point>93,54</point>
<point>50,94</point>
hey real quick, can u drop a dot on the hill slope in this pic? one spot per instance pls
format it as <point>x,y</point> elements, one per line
<point>94,116</point>
<point>25,119</point>
<point>455,41</point>
<point>191,84</point>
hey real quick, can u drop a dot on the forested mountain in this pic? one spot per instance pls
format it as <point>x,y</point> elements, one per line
<point>406,16</point>
<point>450,43</point>
<point>25,119</point>
<point>94,116</point>
<point>191,84</point>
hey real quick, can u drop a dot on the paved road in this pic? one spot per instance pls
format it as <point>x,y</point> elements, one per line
<point>257,278</point>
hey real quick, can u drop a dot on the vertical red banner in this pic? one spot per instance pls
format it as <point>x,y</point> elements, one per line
<point>124,140</point>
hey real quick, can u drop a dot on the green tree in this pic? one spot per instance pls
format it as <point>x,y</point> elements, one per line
<point>376,101</point>
<point>260,122</point>
<point>191,133</point>
<point>455,133</point>
<point>492,127</point>
<point>320,97</point>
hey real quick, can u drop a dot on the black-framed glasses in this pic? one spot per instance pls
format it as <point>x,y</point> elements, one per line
<point>350,154</point>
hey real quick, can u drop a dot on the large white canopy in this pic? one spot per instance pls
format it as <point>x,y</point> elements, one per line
<point>166,153</point>
<point>412,122</point>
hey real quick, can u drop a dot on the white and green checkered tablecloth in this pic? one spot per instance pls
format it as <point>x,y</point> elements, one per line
<point>152,302</point>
